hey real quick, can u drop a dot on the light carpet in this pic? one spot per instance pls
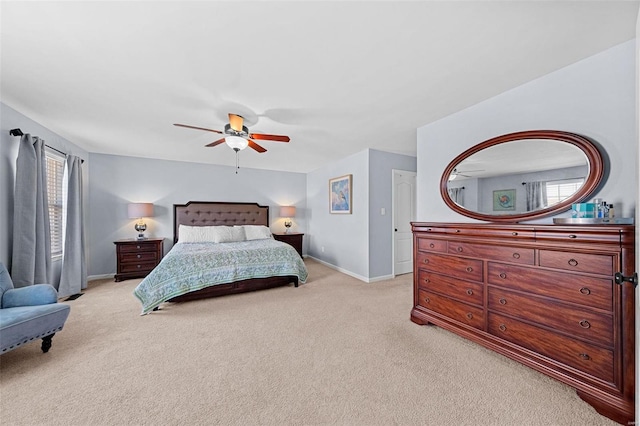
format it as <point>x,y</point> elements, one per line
<point>334,351</point>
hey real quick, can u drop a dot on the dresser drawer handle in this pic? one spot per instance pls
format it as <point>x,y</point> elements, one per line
<point>503,327</point>
<point>573,262</point>
<point>503,301</point>
<point>586,357</point>
<point>503,275</point>
<point>573,236</point>
<point>460,249</point>
<point>516,255</point>
<point>426,299</point>
<point>469,269</point>
<point>139,256</point>
<point>469,292</point>
<point>138,266</point>
<point>585,324</point>
<point>425,261</point>
<point>432,245</point>
<point>514,234</point>
<point>469,315</point>
<point>427,280</point>
<point>457,231</point>
<point>585,290</point>
<point>137,247</point>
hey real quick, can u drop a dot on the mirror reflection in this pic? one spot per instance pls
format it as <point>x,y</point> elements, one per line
<point>517,177</point>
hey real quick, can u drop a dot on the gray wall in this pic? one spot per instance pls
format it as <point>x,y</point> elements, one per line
<point>359,244</point>
<point>595,97</point>
<point>119,180</point>
<point>381,166</point>
<point>11,119</point>
<point>340,240</point>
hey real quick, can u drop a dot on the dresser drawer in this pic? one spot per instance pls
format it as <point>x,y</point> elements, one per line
<point>578,322</point>
<point>521,255</point>
<point>466,291</point>
<point>457,311</point>
<point>589,358</point>
<point>578,262</point>
<point>503,232</point>
<point>583,290</point>
<point>136,247</point>
<point>459,267</point>
<point>124,268</point>
<point>429,244</point>
<point>594,235</point>
<point>128,257</point>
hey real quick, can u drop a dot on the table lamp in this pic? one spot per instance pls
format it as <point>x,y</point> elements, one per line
<point>287,212</point>
<point>140,211</point>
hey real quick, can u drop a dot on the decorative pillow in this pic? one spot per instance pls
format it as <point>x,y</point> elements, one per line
<point>256,232</point>
<point>210,234</point>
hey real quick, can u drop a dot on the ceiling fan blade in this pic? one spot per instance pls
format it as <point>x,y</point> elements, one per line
<point>255,146</point>
<point>197,128</point>
<point>236,122</point>
<point>274,138</point>
<point>218,142</point>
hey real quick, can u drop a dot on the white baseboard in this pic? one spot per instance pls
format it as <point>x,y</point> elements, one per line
<point>99,277</point>
<point>351,274</point>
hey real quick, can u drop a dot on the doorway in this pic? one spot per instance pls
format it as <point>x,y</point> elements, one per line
<point>404,212</point>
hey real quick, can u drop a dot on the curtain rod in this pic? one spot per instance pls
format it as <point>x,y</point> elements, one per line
<point>18,132</point>
<point>560,180</point>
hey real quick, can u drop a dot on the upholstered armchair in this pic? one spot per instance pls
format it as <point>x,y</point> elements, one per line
<point>28,313</point>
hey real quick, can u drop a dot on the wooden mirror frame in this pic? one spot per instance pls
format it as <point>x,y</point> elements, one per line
<point>594,159</point>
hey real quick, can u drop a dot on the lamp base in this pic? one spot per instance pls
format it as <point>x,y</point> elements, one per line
<point>141,237</point>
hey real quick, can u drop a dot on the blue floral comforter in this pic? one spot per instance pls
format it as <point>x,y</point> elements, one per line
<point>193,266</point>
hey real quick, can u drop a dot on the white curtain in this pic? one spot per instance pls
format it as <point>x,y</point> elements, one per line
<point>536,195</point>
<point>31,255</point>
<point>73,277</point>
<point>457,195</point>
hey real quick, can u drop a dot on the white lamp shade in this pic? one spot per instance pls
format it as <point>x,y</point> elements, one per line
<point>138,210</point>
<point>287,211</point>
<point>236,142</point>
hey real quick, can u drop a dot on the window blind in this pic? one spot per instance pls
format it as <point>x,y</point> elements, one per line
<point>55,175</point>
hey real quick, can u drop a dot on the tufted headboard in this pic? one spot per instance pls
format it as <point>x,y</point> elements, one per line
<point>214,213</point>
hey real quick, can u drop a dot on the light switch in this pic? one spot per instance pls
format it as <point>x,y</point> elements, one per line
<point>383,211</point>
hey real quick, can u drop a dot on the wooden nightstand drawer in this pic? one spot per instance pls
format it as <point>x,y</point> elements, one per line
<point>293,239</point>
<point>136,258</point>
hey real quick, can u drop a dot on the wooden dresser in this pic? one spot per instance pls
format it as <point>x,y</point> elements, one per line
<point>136,258</point>
<point>543,295</point>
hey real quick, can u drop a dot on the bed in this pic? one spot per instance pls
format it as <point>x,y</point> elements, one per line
<point>197,268</point>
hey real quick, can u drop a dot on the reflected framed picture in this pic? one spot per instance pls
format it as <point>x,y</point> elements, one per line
<point>340,195</point>
<point>504,199</point>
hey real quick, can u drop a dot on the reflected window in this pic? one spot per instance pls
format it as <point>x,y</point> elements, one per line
<point>560,190</point>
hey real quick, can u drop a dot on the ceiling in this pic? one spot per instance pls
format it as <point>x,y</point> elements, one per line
<point>336,76</point>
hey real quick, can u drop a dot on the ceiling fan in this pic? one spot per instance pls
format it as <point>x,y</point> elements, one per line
<point>237,136</point>
<point>455,173</point>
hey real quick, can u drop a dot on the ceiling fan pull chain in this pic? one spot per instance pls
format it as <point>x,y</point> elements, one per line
<point>237,159</point>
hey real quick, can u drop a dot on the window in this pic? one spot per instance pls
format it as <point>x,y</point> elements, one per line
<point>560,190</point>
<point>55,175</point>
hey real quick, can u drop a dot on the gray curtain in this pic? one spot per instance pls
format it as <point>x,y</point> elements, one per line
<point>457,195</point>
<point>536,195</point>
<point>31,258</point>
<point>73,277</point>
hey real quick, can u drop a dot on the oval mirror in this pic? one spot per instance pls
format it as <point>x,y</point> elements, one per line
<point>522,176</point>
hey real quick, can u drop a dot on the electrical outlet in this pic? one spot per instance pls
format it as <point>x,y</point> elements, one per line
<point>322,249</point>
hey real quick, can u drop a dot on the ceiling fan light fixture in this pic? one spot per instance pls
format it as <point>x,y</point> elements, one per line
<point>236,142</point>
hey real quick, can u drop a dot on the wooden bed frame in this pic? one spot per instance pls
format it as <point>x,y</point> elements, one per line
<point>214,213</point>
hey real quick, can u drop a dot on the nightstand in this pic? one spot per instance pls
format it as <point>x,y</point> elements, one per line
<point>293,239</point>
<point>136,258</point>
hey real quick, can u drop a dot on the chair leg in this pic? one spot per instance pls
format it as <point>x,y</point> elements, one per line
<point>46,343</point>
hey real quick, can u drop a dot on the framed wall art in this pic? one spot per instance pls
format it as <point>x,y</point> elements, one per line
<point>340,195</point>
<point>504,199</point>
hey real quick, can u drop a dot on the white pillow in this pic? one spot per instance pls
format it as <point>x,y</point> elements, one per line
<point>209,234</point>
<point>256,232</point>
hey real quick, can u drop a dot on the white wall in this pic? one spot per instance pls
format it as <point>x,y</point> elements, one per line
<point>119,180</point>
<point>595,97</point>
